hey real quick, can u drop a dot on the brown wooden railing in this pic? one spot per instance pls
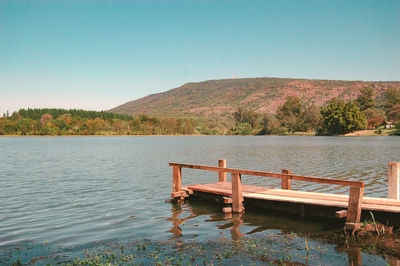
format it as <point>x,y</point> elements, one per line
<point>355,198</point>
<point>275,175</point>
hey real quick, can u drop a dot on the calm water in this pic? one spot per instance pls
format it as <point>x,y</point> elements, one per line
<point>76,191</point>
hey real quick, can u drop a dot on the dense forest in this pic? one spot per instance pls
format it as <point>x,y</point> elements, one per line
<point>81,122</point>
<point>335,117</point>
<point>38,113</point>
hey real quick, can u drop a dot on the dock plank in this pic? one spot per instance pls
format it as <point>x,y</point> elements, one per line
<point>302,200</point>
<point>300,197</point>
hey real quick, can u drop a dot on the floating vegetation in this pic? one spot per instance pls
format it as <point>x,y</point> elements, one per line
<point>269,248</point>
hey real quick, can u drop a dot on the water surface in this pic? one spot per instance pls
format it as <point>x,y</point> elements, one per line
<point>76,191</point>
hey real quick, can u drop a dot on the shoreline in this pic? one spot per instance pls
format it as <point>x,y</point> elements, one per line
<point>354,134</point>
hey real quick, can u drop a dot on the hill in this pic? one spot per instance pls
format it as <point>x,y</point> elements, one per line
<point>219,98</point>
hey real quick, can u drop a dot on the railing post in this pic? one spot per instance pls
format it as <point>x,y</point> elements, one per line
<point>286,181</point>
<point>176,180</point>
<point>393,180</point>
<point>237,200</point>
<point>354,208</point>
<point>222,175</point>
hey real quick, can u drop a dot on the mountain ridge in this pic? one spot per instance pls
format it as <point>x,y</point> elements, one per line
<point>216,98</point>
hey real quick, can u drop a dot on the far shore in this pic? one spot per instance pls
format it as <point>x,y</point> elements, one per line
<point>370,132</point>
<point>360,133</point>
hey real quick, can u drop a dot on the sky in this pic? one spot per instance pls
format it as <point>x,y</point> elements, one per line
<point>96,55</point>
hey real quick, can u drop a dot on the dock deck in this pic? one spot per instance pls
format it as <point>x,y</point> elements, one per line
<point>345,206</point>
<point>299,197</point>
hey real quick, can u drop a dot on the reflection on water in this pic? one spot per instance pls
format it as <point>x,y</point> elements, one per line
<point>185,214</point>
<point>76,191</point>
<point>318,236</point>
<point>177,221</point>
<point>234,222</point>
<point>182,213</point>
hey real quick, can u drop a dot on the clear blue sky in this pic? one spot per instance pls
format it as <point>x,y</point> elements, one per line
<point>99,54</point>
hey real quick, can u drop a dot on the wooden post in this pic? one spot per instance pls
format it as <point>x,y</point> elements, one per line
<point>354,208</point>
<point>237,204</point>
<point>176,180</point>
<point>222,175</point>
<point>286,181</point>
<point>341,214</point>
<point>393,180</point>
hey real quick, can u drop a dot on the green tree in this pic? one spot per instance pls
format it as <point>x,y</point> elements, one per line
<point>49,129</point>
<point>26,126</point>
<point>366,99</point>
<point>394,113</point>
<point>16,116</point>
<point>7,126</point>
<point>391,98</point>
<point>243,115</point>
<point>312,117</point>
<point>37,113</point>
<point>339,117</point>
<point>271,125</point>
<point>97,125</point>
<point>243,129</point>
<point>59,125</point>
<point>291,114</point>
<point>375,117</point>
<point>185,126</point>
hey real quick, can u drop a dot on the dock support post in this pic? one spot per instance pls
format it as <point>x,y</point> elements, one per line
<point>286,181</point>
<point>176,182</point>
<point>354,208</point>
<point>237,200</point>
<point>222,175</point>
<point>393,180</point>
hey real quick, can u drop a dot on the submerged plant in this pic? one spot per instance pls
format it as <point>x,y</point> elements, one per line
<point>373,219</point>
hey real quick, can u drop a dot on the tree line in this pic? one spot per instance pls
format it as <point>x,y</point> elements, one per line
<point>335,117</point>
<point>81,122</point>
<point>37,113</point>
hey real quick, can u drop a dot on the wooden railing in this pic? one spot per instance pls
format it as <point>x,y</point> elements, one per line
<point>394,180</point>
<point>355,198</point>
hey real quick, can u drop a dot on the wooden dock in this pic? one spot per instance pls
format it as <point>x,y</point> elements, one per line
<point>235,193</point>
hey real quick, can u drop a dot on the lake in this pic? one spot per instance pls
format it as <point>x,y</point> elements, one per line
<point>72,193</point>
